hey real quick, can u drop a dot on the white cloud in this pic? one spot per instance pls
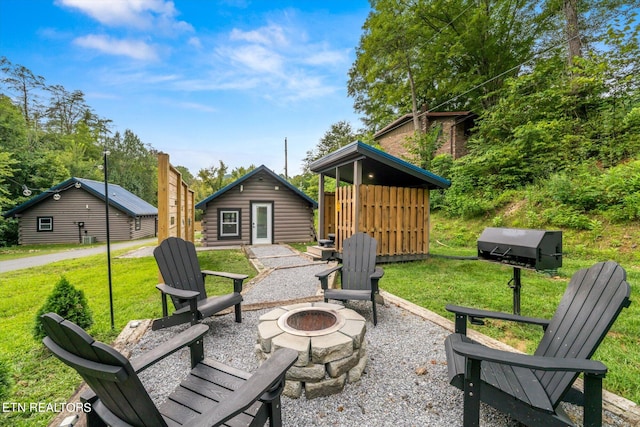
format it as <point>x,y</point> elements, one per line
<point>271,35</point>
<point>135,49</point>
<point>140,14</point>
<point>257,58</point>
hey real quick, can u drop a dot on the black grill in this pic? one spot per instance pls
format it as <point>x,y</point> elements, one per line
<point>536,249</point>
<point>521,248</point>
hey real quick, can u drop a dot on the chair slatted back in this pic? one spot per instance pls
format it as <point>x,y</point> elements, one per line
<point>178,263</point>
<point>358,261</point>
<point>591,303</point>
<point>107,372</point>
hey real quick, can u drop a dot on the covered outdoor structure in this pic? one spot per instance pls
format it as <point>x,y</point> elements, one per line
<point>378,194</point>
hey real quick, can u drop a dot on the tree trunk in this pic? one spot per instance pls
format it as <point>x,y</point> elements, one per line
<point>572,30</point>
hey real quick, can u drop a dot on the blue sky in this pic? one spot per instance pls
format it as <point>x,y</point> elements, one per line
<point>201,80</point>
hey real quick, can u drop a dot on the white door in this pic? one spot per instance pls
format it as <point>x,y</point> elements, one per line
<point>261,223</point>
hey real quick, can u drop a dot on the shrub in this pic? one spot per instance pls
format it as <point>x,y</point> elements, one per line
<point>69,303</point>
<point>5,379</point>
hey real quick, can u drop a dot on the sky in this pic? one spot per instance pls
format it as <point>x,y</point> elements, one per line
<point>201,80</point>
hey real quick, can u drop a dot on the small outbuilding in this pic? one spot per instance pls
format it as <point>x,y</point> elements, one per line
<point>74,211</point>
<point>259,208</point>
<point>378,194</point>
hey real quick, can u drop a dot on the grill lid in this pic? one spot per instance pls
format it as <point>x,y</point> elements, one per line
<point>538,249</point>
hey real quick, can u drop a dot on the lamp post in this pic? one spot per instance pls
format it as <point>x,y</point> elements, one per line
<point>106,207</point>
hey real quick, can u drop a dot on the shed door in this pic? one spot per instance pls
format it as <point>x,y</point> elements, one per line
<point>261,223</point>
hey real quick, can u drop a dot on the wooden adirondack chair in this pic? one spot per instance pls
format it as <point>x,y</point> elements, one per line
<point>184,283</point>
<point>530,387</point>
<point>359,274</point>
<point>211,395</point>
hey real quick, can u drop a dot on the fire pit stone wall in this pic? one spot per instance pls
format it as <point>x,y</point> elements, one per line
<point>326,361</point>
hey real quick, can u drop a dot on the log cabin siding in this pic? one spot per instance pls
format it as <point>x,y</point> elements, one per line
<point>77,205</point>
<point>292,216</point>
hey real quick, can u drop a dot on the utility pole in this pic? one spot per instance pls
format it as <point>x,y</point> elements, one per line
<point>286,171</point>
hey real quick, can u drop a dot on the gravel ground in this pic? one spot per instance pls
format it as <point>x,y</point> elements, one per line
<point>405,382</point>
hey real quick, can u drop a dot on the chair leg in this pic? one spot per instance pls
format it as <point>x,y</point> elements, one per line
<point>275,412</point>
<point>272,401</point>
<point>238,311</point>
<point>197,352</point>
<point>375,311</point>
<point>471,408</point>
<point>592,400</point>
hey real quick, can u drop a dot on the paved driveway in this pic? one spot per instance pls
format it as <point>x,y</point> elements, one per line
<point>38,260</point>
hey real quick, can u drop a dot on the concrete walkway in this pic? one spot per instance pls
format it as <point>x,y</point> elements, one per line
<point>38,260</point>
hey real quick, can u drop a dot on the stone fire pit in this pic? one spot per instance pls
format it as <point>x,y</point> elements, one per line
<point>329,339</point>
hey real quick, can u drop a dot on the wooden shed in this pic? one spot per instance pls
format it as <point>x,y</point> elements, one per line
<point>258,208</point>
<point>74,211</point>
<point>378,194</point>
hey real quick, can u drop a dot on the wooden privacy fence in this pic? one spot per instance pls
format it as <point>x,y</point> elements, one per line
<point>397,217</point>
<point>176,203</point>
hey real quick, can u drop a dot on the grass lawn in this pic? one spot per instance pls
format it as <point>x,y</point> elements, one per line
<point>39,377</point>
<point>432,284</point>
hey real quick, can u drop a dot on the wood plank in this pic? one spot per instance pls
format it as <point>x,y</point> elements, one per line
<point>399,220</point>
<point>377,189</point>
<point>385,226</point>
<point>406,220</point>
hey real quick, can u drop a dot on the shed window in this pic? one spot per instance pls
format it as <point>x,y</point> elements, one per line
<point>229,224</point>
<point>138,223</point>
<point>45,223</point>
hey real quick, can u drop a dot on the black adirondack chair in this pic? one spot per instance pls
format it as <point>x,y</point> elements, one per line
<point>211,395</point>
<point>530,387</point>
<point>184,283</point>
<point>359,274</point>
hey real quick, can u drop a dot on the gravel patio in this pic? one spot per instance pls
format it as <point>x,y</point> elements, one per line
<point>404,383</point>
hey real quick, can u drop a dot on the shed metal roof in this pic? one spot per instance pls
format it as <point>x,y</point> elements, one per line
<point>262,168</point>
<point>119,198</point>
<point>378,168</point>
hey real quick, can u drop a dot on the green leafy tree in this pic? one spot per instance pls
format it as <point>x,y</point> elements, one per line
<point>133,165</point>
<point>443,54</point>
<point>338,135</point>
<point>422,146</point>
<point>212,178</point>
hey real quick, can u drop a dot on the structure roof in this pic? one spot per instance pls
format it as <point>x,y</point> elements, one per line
<point>378,168</point>
<point>262,168</point>
<point>119,198</point>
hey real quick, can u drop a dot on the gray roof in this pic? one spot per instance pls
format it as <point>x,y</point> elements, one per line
<point>262,168</point>
<point>119,198</point>
<point>378,168</point>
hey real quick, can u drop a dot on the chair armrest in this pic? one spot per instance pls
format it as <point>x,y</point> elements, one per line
<point>233,276</point>
<point>268,375</point>
<point>237,278</point>
<point>178,293</point>
<point>169,347</point>
<point>475,315</point>
<point>375,277</point>
<point>325,273</point>
<point>480,352</point>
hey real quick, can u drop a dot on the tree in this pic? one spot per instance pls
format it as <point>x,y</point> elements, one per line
<point>133,165</point>
<point>212,178</point>
<point>339,135</point>
<point>26,86</point>
<point>443,54</point>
